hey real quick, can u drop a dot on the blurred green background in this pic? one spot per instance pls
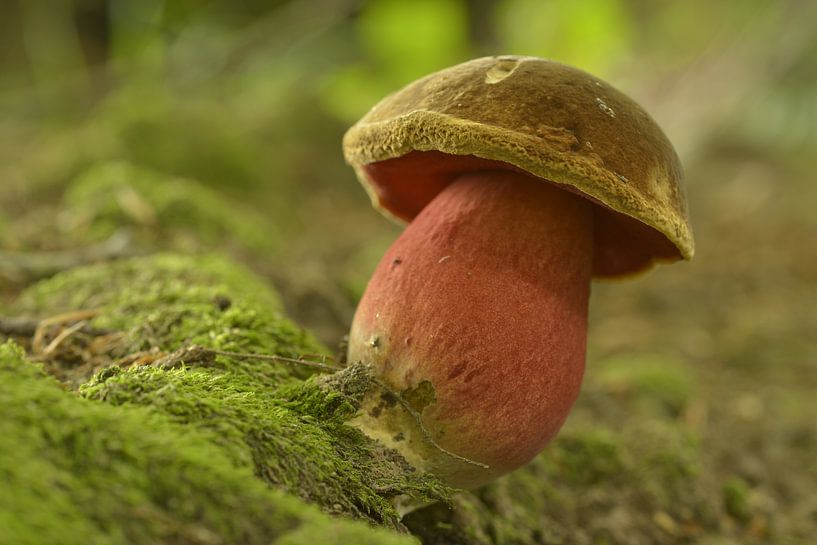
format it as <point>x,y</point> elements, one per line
<point>240,106</point>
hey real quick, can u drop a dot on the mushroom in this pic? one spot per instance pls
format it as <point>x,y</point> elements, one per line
<point>522,179</point>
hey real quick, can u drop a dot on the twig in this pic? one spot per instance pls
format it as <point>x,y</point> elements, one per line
<point>279,359</point>
<point>27,327</point>
<point>64,334</point>
<point>67,317</point>
<point>22,268</point>
<point>18,327</point>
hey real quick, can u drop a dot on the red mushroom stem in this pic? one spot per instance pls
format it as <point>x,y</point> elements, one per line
<point>483,297</point>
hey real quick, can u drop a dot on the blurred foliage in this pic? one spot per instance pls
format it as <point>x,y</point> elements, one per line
<point>660,385</point>
<point>251,98</point>
<point>238,94</point>
<point>166,212</point>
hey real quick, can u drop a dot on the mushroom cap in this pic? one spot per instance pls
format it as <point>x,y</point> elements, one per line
<point>540,117</point>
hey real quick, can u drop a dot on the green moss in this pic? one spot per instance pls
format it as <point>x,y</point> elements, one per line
<point>167,301</point>
<point>165,211</point>
<point>85,472</point>
<point>586,458</point>
<point>594,484</point>
<point>294,437</point>
<point>652,384</point>
<point>736,498</point>
<point>261,415</point>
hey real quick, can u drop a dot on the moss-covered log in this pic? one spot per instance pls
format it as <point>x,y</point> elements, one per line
<point>165,440</point>
<point>79,471</point>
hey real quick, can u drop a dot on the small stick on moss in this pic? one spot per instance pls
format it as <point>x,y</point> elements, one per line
<point>279,359</point>
<point>37,340</point>
<point>23,268</point>
<point>191,354</point>
<point>14,326</point>
<point>143,357</point>
<point>64,334</point>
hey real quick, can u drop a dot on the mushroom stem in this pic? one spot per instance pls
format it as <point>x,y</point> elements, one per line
<point>477,315</point>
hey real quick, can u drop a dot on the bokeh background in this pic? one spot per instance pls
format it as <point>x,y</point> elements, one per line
<point>215,125</point>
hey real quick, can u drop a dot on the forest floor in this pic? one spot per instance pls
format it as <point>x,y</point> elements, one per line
<point>697,422</point>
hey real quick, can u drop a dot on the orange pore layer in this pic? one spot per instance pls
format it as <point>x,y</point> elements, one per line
<point>405,185</point>
<point>485,295</point>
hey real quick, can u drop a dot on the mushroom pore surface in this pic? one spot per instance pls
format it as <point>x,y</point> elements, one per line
<point>477,316</point>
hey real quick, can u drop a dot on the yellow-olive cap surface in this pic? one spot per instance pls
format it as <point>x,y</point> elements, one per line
<point>549,120</point>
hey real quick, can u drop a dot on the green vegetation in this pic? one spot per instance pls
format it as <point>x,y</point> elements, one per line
<point>640,480</point>
<point>167,301</point>
<point>147,415</point>
<point>736,498</point>
<point>204,139</point>
<point>651,384</point>
<point>81,471</point>
<point>166,212</point>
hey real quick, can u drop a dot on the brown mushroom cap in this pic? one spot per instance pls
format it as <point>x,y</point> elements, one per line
<point>549,120</point>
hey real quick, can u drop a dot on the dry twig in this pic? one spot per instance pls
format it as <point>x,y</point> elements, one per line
<point>24,268</point>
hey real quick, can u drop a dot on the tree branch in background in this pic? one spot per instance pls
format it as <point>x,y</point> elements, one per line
<point>24,268</point>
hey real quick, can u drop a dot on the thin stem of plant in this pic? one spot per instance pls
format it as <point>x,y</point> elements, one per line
<point>279,359</point>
